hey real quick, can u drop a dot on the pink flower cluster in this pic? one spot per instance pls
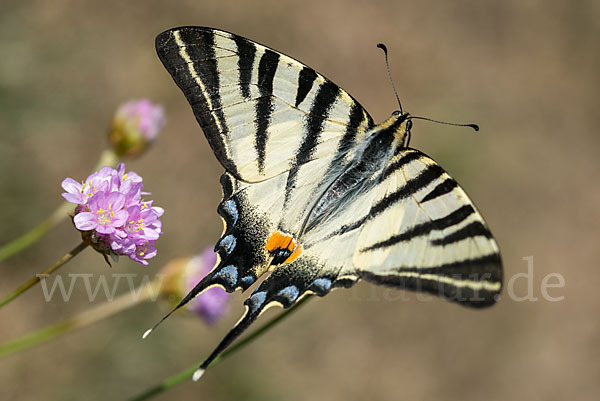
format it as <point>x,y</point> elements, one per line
<point>110,210</point>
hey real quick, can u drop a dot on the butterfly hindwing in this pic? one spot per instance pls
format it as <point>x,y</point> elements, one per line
<point>250,218</point>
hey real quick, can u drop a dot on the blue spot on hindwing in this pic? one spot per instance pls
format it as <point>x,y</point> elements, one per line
<point>227,243</point>
<point>247,280</point>
<point>256,301</point>
<point>322,284</point>
<point>232,210</point>
<point>290,293</point>
<point>229,273</point>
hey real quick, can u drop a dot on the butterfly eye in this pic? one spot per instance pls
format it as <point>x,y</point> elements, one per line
<point>396,113</point>
<point>408,125</point>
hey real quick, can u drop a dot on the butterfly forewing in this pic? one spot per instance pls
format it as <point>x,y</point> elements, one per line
<point>262,112</point>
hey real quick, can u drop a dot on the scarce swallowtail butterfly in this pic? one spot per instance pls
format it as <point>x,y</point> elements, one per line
<point>314,191</point>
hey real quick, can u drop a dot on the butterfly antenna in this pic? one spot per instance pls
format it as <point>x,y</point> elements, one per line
<point>387,66</point>
<point>474,126</point>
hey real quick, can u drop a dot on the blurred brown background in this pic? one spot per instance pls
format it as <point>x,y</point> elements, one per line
<point>527,72</point>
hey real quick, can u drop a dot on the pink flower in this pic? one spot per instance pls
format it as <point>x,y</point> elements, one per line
<point>143,250</point>
<point>105,214</point>
<point>79,193</point>
<point>112,216</point>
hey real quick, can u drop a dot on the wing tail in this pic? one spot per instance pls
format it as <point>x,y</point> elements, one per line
<point>206,283</point>
<point>284,288</point>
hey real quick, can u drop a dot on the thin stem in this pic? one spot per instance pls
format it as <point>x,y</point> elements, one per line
<point>86,318</point>
<point>108,158</point>
<point>46,272</point>
<point>33,235</point>
<point>187,374</point>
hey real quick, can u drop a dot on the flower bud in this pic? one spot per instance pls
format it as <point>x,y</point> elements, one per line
<point>135,126</point>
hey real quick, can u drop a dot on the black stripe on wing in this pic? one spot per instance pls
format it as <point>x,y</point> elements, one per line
<point>483,268</point>
<point>264,104</point>
<point>425,177</point>
<point>442,223</point>
<point>202,54</point>
<point>431,173</point>
<point>349,227</point>
<point>398,164</point>
<point>198,46</point>
<point>246,56</point>
<point>188,53</point>
<point>306,79</point>
<point>319,111</point>
<point>356,118</point>
<point>474,229</point>
<point>421,181</point>
<point>441,189</point>
<point>473,282</point>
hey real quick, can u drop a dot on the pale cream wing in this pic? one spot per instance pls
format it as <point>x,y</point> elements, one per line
<point>424,233</point>
<point>263,112</point>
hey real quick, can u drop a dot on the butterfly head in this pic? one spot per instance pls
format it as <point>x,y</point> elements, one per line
<point>399,124</point>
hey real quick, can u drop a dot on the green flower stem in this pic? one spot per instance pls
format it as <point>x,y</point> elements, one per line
<point>33,235</point>
<point>108,158</point>
<point>187,374</point>
<point>86,318</point>
<point>48,271</point>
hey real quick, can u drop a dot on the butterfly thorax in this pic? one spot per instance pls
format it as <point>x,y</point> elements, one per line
<point>382,142</point>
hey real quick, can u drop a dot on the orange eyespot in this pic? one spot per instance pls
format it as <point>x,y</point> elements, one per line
<point>294,254</point>
<point>279,241</point>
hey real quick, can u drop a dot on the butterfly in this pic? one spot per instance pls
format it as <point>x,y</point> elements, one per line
<point>314,192</point>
